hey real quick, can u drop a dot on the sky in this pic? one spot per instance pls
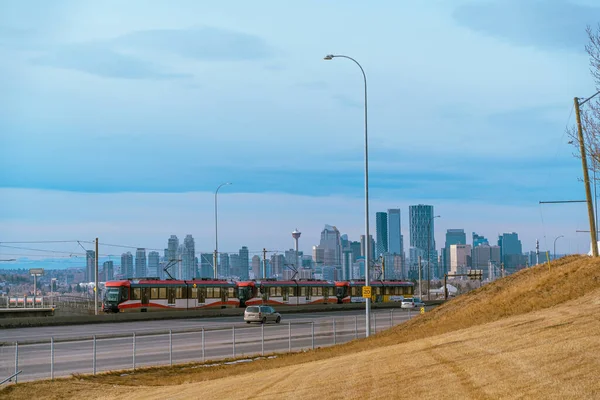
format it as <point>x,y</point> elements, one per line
<point>118,120</point>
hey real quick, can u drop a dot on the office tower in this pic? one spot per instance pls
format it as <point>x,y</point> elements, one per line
<point>140,263</point>
<point>395,245</point>
<point>318,255</point>
<point>381,229</point>
<point>460,258</point>
<point>234,265</point>
<point>224,268</point>
<point>371,247</point>
<point>332,245</point>
<point>277,265</point>
<point>188,259</point>
<point>256,267</point>
<point>422,228</point>
<point>356,248</point>
<point>153,262</point>
<point>108,271</point>
<point>206,265</point>
<point>244,263</point>
<point>453,236</point>
<point>90,269</point>
<point>127,265</point>
<point>511,252</point>
<point>483,255</point>
<point>347,261</point>
<point>478,239</point>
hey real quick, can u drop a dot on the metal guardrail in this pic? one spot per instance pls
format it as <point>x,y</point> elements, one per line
<point>103,353</point>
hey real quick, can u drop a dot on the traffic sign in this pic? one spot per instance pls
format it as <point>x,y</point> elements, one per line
<point>422,310</point>
<point>366,292</point>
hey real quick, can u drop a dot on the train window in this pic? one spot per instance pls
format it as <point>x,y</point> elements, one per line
<point>330,291</point>
<point>378,290</point>
<point>303,291</point>
<point>217,292</point>
<point>209,292</point>
<point>231,292</point>
<point>136,294</point>
<point>162,293</point>
<point>355,291</point>
<point>388,290</point>
<point>179,293</point>
<point>154,293</point>
<point>313,291</point>
<point>125,294</point>
<point>292,291</point>
<point>279,291</point>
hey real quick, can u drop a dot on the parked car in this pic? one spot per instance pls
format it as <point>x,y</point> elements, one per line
<point>262,314</point>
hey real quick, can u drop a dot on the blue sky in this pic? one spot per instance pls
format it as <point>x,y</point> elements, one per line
<point>119,119</point>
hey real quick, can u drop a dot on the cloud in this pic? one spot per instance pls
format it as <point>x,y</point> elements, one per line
<point>547,24</point>
<point>204,44</point>
<point>100,60</point>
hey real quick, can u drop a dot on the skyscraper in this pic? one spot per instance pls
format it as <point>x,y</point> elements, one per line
<point>478,239</point>
<point>453,236</point>
<point>511,251</point>
<point>172,246</point>
<point>331,240</point>
<point>90,268</point>
<point>190,268</point>
<point>127,265</point>
<point>140,263</point>
<point>206,265</point>
<point>244,263</point>
<point>256,267</point>
<point>153,263</point>
<point>107,271</point>
<point>394,232</point>
<point>422,228</point>
<point>224,269</point>
<point>381,228</point>
<point>371,247</point>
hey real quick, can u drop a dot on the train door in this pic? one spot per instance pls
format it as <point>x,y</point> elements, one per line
<point>223,297</point>
<point>286,295</point>
<point>201,295</point>
<point>145,296</point>
<point>171,296</point>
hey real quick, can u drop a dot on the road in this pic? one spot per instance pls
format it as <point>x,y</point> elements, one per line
<point>74,346</point>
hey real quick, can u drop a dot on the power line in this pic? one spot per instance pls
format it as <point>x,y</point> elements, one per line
<point>46,241</point>
<point>45,250</point>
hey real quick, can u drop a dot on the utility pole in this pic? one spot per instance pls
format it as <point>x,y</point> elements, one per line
<point>264,263</point>
<point>215,272</point>
<point>537,252</point>
<point>96,281</point>
<point>502,269</point>
<point>586,178</point>
<point>382,267</point>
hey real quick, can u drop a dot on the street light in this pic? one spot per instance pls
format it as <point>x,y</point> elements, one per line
<point>428,258</point>
<point>216,231</point>
<point>368,300</point>
<point>555,245</point>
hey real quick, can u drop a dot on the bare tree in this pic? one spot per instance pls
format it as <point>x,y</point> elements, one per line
<point>590,114</point>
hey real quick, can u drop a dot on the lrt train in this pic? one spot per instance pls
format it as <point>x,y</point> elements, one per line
<point>153,294</point>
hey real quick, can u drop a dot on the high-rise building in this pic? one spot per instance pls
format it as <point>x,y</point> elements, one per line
<point>381,228</point>
<point>206,265</point>
<point>318,255</point>
<point>153,262</point>
<point>460,258</point>
<point>371,247</point>
<point>331,240</point>
<point>422,236</point>
<point>224,268</point>
<point>90,269</point>
<point>478,239</point>
<point>395,245</point>
<point>511,252</point>
<point>347,264</point>
<point>483,255</point>
<point>356,248</point>
<point>234,264</point>
<point>127,265</point>
<point>108,271</point>
<point>453,236</point>
<point>188,258</point>
<point>140,263</point>
<point>256,267</point>
<point>277,265</point>
<point>172,246</point>
<point>244,263</point>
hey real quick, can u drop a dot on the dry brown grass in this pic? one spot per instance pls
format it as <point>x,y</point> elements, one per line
<point>534,334</point>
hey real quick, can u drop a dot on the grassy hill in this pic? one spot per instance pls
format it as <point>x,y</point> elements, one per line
<point>534,334</point>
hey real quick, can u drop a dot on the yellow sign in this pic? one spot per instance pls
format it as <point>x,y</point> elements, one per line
<point>194,286</point>
<point>422,310</point>
<point>366,292</point>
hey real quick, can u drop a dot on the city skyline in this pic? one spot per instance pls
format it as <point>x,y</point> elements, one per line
<point>246,84</point>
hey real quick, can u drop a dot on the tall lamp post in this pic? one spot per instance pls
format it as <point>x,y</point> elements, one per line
<point>215,264</point>
<point>367,255</point>
<point>428,258</point>
<point>555,245</point>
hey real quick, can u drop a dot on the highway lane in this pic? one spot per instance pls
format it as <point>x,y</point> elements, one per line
<point>152,347</point>
<point>73,331</point>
